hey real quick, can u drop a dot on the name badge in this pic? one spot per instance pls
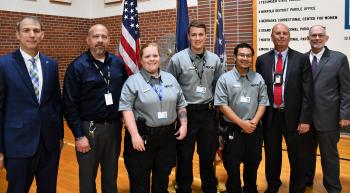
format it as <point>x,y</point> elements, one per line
<point>109,99</point>
<point>236,86</point>
<point>201,89</point>
<point>278,79</point>
<point>245,99</point>
<point>191,68</point>
<point>162,115</point>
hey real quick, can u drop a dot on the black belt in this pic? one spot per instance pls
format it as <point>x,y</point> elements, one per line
<point>232,126</point>
<point>200,107</point>
<point>162,130</point>
<point>280,110</point>
<point>104,122</point>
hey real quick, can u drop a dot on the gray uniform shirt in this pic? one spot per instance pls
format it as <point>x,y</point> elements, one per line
<point>242,94</point>
<point>138,95</point>
<point>192,72</point>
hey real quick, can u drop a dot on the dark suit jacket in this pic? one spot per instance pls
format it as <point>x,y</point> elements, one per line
<point>297,88</point>
<point>332,91</point>
<point>22,118</point>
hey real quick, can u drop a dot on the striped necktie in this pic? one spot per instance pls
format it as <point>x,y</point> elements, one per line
<point>34,76</point>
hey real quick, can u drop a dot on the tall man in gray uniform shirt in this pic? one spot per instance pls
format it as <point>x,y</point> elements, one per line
<point>331,110</point>
<point>242,97</point>
<point>197,70</point>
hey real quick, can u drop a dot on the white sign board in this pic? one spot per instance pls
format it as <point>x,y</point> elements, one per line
<point>299,16</point>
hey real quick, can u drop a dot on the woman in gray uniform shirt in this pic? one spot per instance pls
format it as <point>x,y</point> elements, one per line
<point>150,102</point>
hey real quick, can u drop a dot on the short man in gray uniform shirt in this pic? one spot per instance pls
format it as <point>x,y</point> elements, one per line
<point>197,70</point>
<point>242,97</point>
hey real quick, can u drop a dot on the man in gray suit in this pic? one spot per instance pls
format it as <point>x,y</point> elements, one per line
<point>330,70</point>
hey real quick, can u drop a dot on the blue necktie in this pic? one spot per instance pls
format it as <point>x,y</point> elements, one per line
<point>314,66</point>
<point>34,75</point>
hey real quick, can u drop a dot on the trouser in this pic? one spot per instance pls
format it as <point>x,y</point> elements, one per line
<point>105,149</point>
<point>43,165</point>
<point>158,161</point>
<point>202,127</point>
<point>273,154</point>
<point>311,158</point>
<point>240,148</point>
<point>330,159</point>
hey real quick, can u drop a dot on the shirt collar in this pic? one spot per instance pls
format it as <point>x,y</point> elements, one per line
<point>194,56</point>
<point>237,75</point>
<point>107,58</point>
<point>27,57</point>
<point>318,55</point>
<point>284,53</point>
<point>148,77</point>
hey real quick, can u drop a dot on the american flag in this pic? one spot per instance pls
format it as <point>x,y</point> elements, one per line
<point>220,43</point>
<point>129,44</point>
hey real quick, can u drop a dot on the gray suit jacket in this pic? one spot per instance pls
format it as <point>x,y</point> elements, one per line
<point>331,90</point>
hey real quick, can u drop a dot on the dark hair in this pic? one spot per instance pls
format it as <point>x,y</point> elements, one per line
<point>242,45</point>
<point>198,24</point>
<point>33,18</point>
<point>151,44</point>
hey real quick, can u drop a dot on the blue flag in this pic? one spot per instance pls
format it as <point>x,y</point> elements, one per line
<point>181,25</point>
<point>220,43</point>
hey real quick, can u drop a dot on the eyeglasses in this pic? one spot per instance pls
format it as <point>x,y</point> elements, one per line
<point>245,55</point>
<point>314,36</point>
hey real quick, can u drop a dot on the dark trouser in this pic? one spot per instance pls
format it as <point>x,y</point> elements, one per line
<point>158,161</point>
<point>273,154</point>
<point>43,165</point>
<point>330,159</point>
<point>202,127</point>
<point>311,158</point>
<point>105,149</point>
<point>242,148</point>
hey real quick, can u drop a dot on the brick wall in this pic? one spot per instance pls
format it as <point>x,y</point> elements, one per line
<point>65,36</point>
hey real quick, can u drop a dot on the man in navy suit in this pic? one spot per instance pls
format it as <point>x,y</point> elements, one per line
<point>31,127</point>
<point>287,74</point>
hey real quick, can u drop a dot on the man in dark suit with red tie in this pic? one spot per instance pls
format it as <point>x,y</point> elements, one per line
<point>31,125</point>
<point>288,77</point>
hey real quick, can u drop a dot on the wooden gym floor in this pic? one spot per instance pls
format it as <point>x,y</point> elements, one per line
<point>68,172</point>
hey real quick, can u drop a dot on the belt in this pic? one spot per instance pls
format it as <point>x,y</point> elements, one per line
<point>200,107</point>
<point>280,110</point>
<point>233,126</point>
<point>162,130</point>
<point>104,122</point>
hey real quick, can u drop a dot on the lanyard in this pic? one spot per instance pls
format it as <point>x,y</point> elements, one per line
<point>200,75</point>
<point>106,79</point>
<point>158,89</point>
<point>284,64</point>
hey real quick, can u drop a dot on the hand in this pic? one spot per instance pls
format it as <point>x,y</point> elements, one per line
<point>1,160</point>
<point>247,126</point>
<point>303,128</point>
<point>61,144</point>
<point>82,145</point>
<point>181,132</point>
<point>138,143</point>
<point>344,123</point>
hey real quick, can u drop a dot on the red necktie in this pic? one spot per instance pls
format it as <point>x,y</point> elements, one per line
<point>277,92</point>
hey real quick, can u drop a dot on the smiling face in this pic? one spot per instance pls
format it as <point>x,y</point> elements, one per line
<point>30,35</point>
<point>197,37</point>
<point>150,59</point>
<point>280,37</point>
<point>98,40</point>
<point>244,59</point>
<point>317,38</point>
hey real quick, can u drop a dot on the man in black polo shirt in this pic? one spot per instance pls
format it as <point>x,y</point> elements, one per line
<point>92,87</point>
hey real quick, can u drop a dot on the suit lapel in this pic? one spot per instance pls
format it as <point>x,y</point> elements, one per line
<point>23,71</point>
<point>45,64</point>
<point>324,59</point>
<point>271,62</point>
<point>289,66</point>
